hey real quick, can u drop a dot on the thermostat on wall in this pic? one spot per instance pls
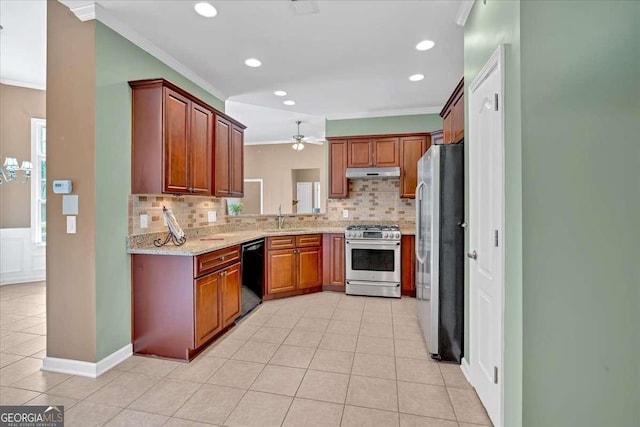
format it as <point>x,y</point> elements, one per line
<point>62,186</point>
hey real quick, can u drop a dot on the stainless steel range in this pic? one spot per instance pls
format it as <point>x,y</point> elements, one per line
<point>372,255</point>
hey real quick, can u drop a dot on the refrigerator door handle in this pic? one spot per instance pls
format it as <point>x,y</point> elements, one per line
<point>418,223</point>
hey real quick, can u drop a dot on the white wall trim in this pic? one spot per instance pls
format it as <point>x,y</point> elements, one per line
<point>21,260</point>
<point>87,369</point>
<point>28,85</point>
<point>84,10</point>
<point>463,12</point>
<point>145,44</point>
<point>386,113</point>
<point>314,142</point>
<point>466,370</point>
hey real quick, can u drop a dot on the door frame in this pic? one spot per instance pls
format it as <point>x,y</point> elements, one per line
<point>497,60</point>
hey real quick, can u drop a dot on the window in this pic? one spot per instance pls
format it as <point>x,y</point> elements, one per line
<point>39,181</point>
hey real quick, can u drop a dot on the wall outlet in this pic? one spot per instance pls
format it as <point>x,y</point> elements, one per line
<point>71,224</point>
<point>212,216</point>
<point>144,221</point>
<point>345,213</point>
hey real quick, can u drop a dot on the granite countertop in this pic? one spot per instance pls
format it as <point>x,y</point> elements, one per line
<point>203,244</point>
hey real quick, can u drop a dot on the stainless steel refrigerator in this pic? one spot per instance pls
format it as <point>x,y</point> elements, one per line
<point>440,250</point>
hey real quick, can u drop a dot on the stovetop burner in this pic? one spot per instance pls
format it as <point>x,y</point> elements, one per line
<point>373,232</point>
<point>375,227</point>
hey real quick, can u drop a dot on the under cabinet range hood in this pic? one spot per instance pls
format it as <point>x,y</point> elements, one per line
<point>372,173</point>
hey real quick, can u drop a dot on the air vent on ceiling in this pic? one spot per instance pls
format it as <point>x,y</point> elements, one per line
<point>304,7</point>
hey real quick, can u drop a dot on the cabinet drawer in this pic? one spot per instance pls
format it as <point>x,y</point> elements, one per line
<point>212,261</point>
<point>308,240</point>
<point>281,242</point>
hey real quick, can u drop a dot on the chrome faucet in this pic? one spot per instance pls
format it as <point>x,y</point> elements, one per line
<point>280,217</point>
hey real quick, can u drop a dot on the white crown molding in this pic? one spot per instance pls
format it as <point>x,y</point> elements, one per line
<point>145,44</point>
<point>83,9</point>
<point>385,113</point>
<point>313,142</point>
<point>463,12</point>
<point>87,369</point>
<point>29,85</point>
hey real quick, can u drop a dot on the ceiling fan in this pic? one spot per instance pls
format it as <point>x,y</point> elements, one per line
<point>298,145</point>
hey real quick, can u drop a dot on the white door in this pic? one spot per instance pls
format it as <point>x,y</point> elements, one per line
<point>486,266</point>
<point>304,197</point>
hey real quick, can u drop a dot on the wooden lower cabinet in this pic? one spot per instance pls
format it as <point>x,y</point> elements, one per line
<point>281,271</point>
<point>176,311</point>
<point>408,265</point>
<point>207,316</point>
<point>293,271</point>
<point>333,262</point>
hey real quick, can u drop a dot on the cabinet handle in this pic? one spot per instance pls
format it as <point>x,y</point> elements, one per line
<point>222,258</point>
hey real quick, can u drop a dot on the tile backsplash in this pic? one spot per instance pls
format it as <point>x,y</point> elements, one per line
<point>370,200</point>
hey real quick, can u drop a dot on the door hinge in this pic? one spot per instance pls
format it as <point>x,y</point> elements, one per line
<point>495,102</point>
<point>495,375</point>
<point>496,240</point>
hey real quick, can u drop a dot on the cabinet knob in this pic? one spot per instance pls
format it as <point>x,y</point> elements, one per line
<point>222,258</point>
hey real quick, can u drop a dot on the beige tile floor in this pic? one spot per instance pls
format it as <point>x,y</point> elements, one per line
<point>324,359</point>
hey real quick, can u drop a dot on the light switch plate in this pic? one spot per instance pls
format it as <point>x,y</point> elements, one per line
<point>71,224</point>
<point>212,216</point>
<point>345,213</point>
<point>70,204</point>
<point>144,221</point>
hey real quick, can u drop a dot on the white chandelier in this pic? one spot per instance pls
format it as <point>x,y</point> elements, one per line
<point>9,172</point>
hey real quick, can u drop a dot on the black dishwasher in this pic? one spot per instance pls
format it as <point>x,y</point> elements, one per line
<point>252,275</point>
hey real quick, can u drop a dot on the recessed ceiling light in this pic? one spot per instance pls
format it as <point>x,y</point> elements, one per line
<point>280,93</point>
<point>425,45</point>
<point>205,9</point>
<point>289,102</point>
<point>416,77</point>
<point>253,62</point>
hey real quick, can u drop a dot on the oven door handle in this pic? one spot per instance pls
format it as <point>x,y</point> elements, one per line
<point>377,244</point>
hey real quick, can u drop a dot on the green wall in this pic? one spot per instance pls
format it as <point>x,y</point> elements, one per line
<point>498,22</point>
<point>117,62</point>
<point>581,207</point>
<point>384,125</point>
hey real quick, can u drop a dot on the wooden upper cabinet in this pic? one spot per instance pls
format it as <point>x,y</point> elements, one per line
<point>229,159</point>
<point>237,161</point>
<point>200,152</point>
<point>173,141</point>
<point>176,142</point>
<point>360,153</point>
<point>411,149</point>
<point>207,314</point>
<point>338,185</point>
<point>369,152</point>
<point>386,152</point>
<point>453,116</point>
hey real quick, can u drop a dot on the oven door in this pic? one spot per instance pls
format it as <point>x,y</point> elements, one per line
<point>369,260</point>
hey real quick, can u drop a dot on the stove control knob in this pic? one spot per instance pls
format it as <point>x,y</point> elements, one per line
<point>397,235</point>
<point>359,233</point>
<point>386,235</point>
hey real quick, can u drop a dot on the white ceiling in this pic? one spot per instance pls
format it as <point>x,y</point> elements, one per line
<point>351,59</point>
<point>23,43</point>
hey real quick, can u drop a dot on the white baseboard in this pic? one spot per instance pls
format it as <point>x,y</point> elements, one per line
<point>466,370</point>
<point>21,261</point>
<point>87,369</point>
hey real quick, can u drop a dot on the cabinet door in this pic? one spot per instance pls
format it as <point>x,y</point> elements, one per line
<point>333,259</point>
<point>408,265</point>
<point>457,121</point>
<point>200,141</point>
<point>338,185</point>
<point>222,161</point>
<point>446,128</point>
<point>386,152</point>
<point>281,271</point>
<point>360,153</point>
<point>230,294</point>
<point>176,137</point>
<point>411,149</point>
<point>207,314</point>
<point>237,162</point>
<point>309,267</point>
